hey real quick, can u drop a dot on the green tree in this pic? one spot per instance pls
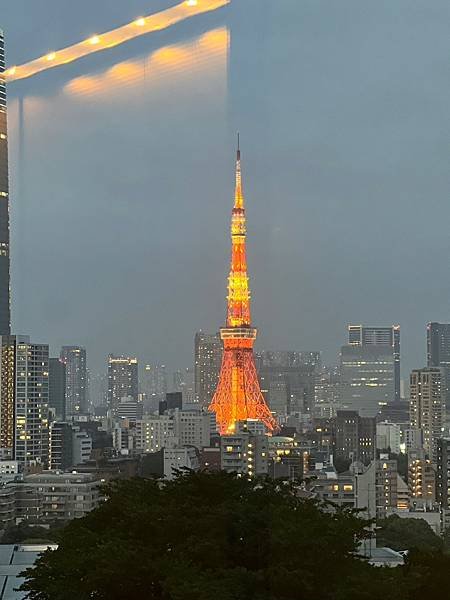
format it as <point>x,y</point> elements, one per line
<point>205,536</point>
<point>427,575</point>
<point>342,464</point>
<point>404,534</point>
<point>16,534</point>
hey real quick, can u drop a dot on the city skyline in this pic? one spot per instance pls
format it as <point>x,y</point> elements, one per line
<point>135,408</point>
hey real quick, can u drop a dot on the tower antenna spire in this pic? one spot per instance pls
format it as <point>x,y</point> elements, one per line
<point>238,195</point>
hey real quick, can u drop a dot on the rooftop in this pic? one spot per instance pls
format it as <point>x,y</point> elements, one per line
<point>13,560</point>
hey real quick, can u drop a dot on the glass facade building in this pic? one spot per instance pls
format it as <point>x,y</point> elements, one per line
<point>5,311</point>
<point>74,357</point>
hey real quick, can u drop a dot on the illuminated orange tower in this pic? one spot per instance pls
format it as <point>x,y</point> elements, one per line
<point>238,396</point>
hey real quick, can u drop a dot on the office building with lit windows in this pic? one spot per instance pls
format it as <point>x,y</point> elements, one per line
<point>122,379</point>
<point>427,407</point>
<point>370,369</point>
<point>361,335</point>
<point>24,400</point>
<point>74,357</point>
<point>5,311</point>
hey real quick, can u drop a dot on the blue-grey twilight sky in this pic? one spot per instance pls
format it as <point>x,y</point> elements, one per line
<point>122,177</point>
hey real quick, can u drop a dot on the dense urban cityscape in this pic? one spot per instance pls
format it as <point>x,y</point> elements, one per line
<point>360,433</point>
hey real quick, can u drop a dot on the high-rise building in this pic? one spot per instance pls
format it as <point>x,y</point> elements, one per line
<point>427,406</point>
<point>438,352</point>
<point>327,392</point>
<point>388,436</point>
<point>173,401</point>
<point>74,357</point>
<point>183,381</point>
<point>238,396</point>
<point>24,399</point>
<point>386,485</point>
<point>5,312</point>
<point>361,335</point>
<point>370,368</point>
<point>422,479</point>
<point>122,379</point>
<point>57,388</point>
<point>154,385</point>
<point>208,358</point>
<point>287,380</point>
<point>443,479</point>
<point>61,446</point>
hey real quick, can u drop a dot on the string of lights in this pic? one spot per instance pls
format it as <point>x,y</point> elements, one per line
<point>98,42</point>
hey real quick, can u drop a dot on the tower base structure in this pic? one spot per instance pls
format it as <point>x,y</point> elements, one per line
<point>238,396</point>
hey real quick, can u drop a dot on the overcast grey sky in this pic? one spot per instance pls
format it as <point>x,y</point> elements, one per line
<point>121,192</point>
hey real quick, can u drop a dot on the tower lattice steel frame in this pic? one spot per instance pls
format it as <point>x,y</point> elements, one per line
<point>238,396</point>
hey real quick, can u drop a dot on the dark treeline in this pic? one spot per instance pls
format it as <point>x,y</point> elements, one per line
<point>221,536</point>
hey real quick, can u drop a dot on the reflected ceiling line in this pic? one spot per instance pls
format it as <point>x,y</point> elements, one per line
<point>160,63</point>
<point>141,26</point>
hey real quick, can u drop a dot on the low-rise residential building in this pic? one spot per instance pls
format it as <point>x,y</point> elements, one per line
<point>421,480</point>
<point>243,452</point>
<point>372,488</point>
<point>192,428</point>
<point>152,432</point>
<point>63,496</point>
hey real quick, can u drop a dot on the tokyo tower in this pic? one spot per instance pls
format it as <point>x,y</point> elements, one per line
<point>238,396</point>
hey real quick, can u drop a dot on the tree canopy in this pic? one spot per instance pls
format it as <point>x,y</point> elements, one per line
<point>405,534</point>
<point>24,533</point>
<point>219,536</point>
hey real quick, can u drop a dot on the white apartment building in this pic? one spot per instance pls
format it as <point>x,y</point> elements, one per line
<point>180,458</point>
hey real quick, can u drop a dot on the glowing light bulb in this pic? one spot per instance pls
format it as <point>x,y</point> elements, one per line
<point>140,22</point>
<point>94,40</point>
<point>51,55</point>
<point>191,2</point>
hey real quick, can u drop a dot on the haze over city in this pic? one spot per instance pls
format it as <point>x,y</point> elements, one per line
<point>122,197</point>
<point>224,316</point>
